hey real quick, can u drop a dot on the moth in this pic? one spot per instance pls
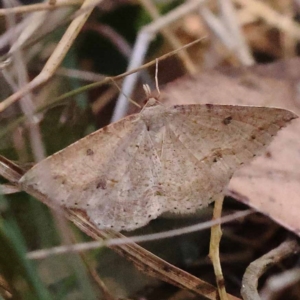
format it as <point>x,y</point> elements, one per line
<point>164,159</point>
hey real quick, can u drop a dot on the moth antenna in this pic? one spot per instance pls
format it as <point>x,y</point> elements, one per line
<point>156,77</point>
<point>147,90</point>
<point>146,87</point>
<point>129,99</point>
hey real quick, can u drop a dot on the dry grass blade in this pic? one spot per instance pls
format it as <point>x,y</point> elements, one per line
<point>38,7</point>
<point>271,16</point>
<point>170,36</point>
<point>56,57</point>
<point>10,170</point>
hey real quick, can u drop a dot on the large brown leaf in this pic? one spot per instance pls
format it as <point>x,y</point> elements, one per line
<point>269,183</point>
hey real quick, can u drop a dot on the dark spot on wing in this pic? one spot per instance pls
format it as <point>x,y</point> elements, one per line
<point>217,156</point>
<point>268,154</point>
<point>101,184</point>
<point>209,106</point>
<point>89,152</point>
<point>271,199</point>
<point>227,120</point>
<point>253,137</point>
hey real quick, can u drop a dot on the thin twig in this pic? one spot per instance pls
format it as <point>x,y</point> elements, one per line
<point>262,264</point>
<point>214,248</point>
<point>41,254</point>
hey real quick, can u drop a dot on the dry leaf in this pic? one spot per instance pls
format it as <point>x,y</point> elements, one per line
<point>270,183</point>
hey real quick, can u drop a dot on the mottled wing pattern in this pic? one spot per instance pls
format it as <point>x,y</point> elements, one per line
<point>205,144</point>
<point>131,187</point>
<point>110,174</point>
<point>164,159</point>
